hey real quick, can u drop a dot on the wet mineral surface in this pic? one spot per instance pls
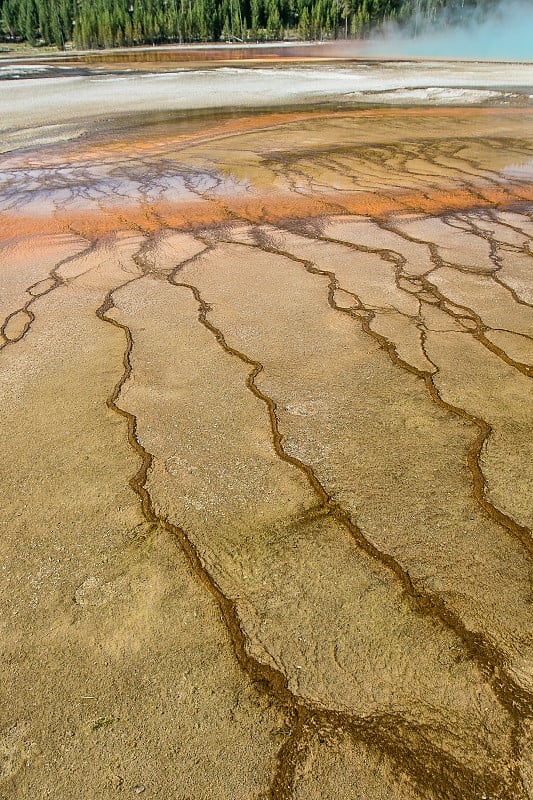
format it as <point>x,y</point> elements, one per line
<point>267,440</point>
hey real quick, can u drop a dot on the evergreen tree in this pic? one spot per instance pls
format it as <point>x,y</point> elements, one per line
<point>9,18</point>
<point>31,21</point>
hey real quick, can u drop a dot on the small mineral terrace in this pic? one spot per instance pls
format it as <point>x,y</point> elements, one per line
<point>267,433</point>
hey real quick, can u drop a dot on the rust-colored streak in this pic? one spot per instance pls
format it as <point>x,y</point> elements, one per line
<point>255,203</point>
<point>135,145</point>
<point>261,208</point>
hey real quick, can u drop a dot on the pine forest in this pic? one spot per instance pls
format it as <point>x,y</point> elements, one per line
<point>115,23</point>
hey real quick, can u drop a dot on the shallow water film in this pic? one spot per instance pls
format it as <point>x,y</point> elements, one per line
<point>266,351</point>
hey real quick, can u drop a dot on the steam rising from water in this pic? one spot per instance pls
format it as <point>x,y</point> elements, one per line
<point>503,32</point>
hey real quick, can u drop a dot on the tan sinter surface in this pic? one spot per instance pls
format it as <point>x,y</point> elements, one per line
<point>267,467</point>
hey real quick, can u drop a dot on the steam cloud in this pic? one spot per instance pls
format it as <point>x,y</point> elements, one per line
<point>502,32</point>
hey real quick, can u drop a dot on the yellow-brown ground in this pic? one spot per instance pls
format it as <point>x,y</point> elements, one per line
<point>267,473</point>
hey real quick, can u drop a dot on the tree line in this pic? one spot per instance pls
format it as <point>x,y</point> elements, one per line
<point>115,23</point>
